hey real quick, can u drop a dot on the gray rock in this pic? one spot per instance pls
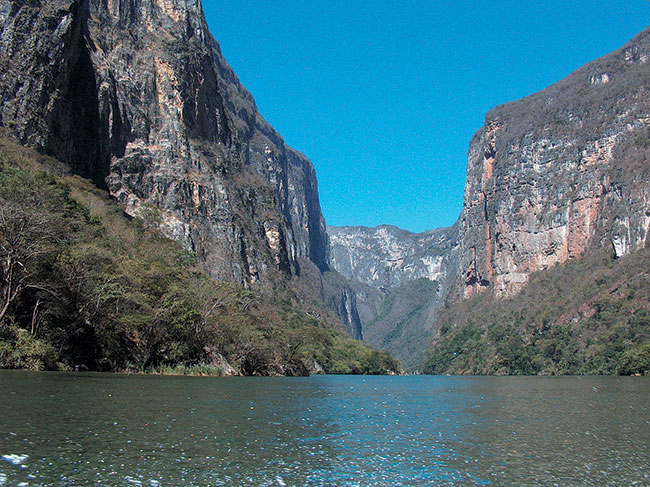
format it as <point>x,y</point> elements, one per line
<point>137,96</point>
<point>559,172</point>
<point>548,177</point>
<point>400,281</point>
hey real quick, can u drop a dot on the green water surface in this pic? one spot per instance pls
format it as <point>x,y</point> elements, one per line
<point>60,429</point>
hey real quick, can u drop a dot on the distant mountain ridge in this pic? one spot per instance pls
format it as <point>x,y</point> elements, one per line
<point>386,256</point>
<point>401,280</point>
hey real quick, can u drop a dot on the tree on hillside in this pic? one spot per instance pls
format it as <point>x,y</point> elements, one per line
<point>30,232</point>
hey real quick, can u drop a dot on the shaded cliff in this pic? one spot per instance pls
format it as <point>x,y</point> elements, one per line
<point>400,280</point>
<point>136,95</point>
<point>559,172</point>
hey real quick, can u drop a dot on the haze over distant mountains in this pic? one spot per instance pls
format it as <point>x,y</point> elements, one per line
<point>549,178</point>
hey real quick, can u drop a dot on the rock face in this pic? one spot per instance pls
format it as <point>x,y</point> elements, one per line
<point>558,172</point>
<point>386,257</point>
<point>400,279</point>
<point>136,95</point>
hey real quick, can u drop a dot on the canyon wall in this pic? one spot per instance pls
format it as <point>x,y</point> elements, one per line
<point>559,172</point>
<point>549,177</point>
<point>136,95</point>
<point>400,279</point>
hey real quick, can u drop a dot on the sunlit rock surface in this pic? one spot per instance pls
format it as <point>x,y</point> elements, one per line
<point>548,177</point>
<point>401,280</point>
<point>558,172</point>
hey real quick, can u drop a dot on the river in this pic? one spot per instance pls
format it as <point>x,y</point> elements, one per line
<point>59,429</point>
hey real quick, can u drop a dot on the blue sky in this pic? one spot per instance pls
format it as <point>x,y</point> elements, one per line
<point>384,96</point>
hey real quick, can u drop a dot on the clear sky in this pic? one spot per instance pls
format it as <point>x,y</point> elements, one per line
<point>384,96</point>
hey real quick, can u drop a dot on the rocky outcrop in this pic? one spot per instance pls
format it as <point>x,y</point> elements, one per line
<point>559,172</point>
<point>400,281</point>
<point>549,177</point>
<point>48,86</point>
<point>136,95</point>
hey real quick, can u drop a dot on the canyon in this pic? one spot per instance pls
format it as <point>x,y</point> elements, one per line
<point>550,177</point>
<point>136,96</point>
<point>400,280</point>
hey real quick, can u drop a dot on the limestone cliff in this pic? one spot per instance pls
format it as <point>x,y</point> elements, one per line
<point>136,95</point>
<point>559,172</point>
<point>386,257</point>
<point>549,177</point>
<point>400,279</point>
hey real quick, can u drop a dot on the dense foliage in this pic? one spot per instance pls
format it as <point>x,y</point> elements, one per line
<point>399,322</point>
<point>84,286</point>
<point>588,316</point>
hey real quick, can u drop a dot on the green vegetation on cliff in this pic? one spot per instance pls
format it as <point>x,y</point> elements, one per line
<point>399,326</point>
<point>84,286</point>
<point>588,316</point>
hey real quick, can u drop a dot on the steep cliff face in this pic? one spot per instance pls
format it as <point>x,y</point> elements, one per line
<point>47,85</point>
<point>549,177</point>
<point>136,95</point>
<point>400,280</point>
<point>559,172</point>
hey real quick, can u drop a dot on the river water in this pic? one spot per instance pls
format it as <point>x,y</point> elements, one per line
<point>60,429</point>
